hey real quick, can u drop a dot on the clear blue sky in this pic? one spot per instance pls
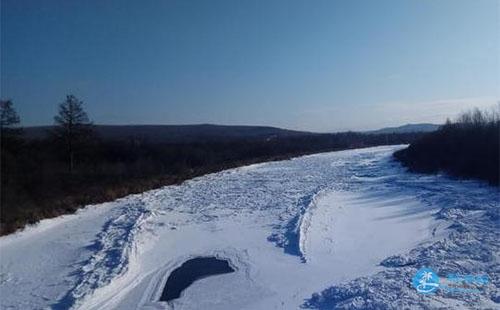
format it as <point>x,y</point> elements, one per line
<point>312,65</point>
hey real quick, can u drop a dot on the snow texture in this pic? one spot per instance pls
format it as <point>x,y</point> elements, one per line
<point>344,230</point>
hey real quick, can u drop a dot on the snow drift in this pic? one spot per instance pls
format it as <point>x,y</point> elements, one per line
<point>342,229</point>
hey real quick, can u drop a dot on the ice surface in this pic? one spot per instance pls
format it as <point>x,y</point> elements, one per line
<point>342,229</point>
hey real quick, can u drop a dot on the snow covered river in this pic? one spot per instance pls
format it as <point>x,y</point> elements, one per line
<point>344,228</point>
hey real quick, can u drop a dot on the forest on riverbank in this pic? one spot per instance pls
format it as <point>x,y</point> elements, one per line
<point>72,164</point>
<point>467,147</point>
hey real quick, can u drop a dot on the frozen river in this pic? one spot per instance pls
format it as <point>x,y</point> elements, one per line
<point>338,229</point>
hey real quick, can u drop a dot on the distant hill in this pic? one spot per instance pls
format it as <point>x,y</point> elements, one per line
<point>207,132</point>
<point>408,128</point>
<point>177,133</point>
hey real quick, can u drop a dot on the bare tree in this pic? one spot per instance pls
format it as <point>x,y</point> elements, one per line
<point>9,120</point>
<point>8,116</point>
<point>73,127</point>
<point>10,142</point>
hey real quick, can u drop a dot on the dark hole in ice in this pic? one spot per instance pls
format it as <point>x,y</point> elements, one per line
<point>190,271</point>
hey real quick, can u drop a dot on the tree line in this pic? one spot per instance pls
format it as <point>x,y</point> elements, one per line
<point>467,147</point>
<point>73,166</point>
<point>72,129</point>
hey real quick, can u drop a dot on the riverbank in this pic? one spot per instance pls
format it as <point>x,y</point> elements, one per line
<point>36,184</point>
<point>127,248</point>
<point>468,148</point>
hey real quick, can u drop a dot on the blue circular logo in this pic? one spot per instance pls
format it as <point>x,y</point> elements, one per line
<point>425,281</point>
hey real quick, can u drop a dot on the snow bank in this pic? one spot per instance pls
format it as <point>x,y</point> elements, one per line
<point>315,231</point>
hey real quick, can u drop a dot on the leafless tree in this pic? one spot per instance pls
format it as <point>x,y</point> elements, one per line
<point>8,116</point>
<point>72,127</point>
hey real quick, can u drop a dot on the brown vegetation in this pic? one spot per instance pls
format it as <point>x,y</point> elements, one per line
<point>46,177</point>
<point>466,148</point>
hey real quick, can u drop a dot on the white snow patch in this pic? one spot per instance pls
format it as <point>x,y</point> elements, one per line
<point>344,211</point>
<point>354,236</point>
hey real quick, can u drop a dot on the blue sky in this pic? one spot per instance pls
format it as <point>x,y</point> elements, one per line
<point>310,65</point>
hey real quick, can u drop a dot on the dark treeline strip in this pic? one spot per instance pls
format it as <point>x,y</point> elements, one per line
<point>466,148</point>
<point>37,184</point>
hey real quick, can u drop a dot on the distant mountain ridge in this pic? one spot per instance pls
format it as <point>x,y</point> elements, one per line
<point>177,133</point>
<point>208,132</point>
<point>408,128</point>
